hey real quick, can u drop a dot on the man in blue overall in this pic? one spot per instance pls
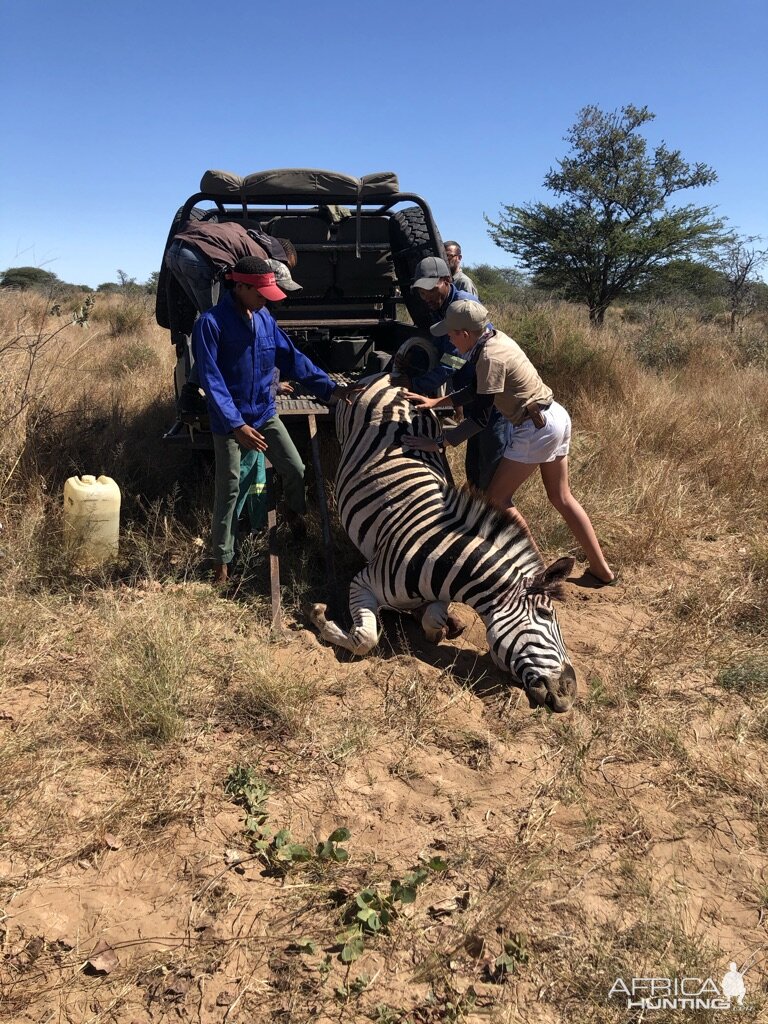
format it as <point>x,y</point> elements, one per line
<point>237,345</point>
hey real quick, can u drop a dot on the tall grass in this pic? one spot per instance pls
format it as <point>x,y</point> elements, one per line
<point>664,447</point>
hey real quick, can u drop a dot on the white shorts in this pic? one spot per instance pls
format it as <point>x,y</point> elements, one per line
<point>527,444</point>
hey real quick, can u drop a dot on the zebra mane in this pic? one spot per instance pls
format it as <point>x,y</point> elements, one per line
<point>490,523</point>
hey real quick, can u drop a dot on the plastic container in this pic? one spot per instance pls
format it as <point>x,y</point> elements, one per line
<point>91,518</point>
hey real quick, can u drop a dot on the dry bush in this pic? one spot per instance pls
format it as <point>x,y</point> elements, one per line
<point>125,313</point>
<point>265,695</point>
<point>75,400</point>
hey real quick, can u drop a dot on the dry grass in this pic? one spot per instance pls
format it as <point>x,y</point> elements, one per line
<point>628,837</point>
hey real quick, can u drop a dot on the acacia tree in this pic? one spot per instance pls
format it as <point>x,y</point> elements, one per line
<point>23,278</point>
<point>740,263</point>
<point>613,224</point>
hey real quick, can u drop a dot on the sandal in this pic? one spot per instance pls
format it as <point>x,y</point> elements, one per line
<point>596,582</point>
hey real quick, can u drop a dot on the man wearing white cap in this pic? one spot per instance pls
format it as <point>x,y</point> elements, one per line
<point>540,431</point>
<point>237,345</point>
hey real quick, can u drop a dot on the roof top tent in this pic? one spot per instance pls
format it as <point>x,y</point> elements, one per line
<point>347,231</point>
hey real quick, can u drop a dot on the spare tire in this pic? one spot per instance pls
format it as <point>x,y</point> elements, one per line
<point>418,356</point>
<point>410,242</point>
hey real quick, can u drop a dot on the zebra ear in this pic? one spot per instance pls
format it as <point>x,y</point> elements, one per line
<point>549,580</point>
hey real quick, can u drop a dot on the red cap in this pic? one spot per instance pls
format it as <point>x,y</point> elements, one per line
<point>263,283</point>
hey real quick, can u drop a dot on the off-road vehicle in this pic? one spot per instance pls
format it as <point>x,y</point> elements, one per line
<point>358,241</point>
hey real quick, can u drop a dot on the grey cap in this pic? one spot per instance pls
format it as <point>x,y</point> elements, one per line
<point>283,277</point>
<point>462,315</point>
<point>429,272</point>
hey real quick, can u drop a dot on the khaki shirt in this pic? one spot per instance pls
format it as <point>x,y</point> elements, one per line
<point>505,371</point>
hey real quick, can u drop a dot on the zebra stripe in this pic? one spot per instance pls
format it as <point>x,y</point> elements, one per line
<point>428,544</point>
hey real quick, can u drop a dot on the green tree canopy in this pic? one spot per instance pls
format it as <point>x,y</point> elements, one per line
<point>27,277</point>
<point>680,278</point>
<point>498,285</point>
<point>614,223</point>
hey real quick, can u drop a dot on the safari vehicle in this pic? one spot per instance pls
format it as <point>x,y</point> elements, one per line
<point>358,241</point>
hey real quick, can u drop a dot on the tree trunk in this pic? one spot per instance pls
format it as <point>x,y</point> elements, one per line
<point>597,315</point>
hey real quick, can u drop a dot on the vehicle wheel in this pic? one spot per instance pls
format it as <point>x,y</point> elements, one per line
<point>410,242</point>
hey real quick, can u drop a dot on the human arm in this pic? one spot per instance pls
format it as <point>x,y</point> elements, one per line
<point>345,393</point>
<point>294,365</point>
<point>475,421</point>
<point>206,337</point>
<point>421,401</point>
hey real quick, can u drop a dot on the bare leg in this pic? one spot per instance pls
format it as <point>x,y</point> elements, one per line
<point>508,477</point>
<point>555,477</point>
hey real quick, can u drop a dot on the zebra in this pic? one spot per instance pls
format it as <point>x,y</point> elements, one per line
<point>428,544</point>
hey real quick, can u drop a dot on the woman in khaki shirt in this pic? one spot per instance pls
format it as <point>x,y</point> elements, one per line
<point>506,378</point>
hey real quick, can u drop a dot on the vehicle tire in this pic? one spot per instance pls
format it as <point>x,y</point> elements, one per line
<point>410,242</point>
<point>418,356</point>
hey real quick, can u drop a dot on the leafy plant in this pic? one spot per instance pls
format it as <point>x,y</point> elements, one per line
<point>513,953</point>
<point>370,911</point>
<point>249,791</point>
<point>330,849</point>
<point>353,989</point>
<point>278,851</point>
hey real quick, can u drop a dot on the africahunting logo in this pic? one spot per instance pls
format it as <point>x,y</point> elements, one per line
<point>687,993</point>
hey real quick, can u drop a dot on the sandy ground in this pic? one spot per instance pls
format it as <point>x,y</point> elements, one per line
<point>553,828</point>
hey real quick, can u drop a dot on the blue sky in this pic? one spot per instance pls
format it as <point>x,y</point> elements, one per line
<point>114,110</point>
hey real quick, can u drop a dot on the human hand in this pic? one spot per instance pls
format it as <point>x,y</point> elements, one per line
<point>421,401</point>
<point>250,438</point>
<point>345,393</point>
<point>284,388</point>
<point>424,444</point>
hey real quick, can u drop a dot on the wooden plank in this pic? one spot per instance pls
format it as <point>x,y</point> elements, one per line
<point>274,555</point>
<point>325,522</point>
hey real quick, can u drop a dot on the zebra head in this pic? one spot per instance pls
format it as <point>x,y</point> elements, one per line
<point>524,639</point>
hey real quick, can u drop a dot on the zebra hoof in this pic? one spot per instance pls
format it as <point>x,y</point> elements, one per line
<point>317,615</point>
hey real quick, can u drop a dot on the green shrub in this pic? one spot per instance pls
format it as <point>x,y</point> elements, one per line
<point>747,678</point>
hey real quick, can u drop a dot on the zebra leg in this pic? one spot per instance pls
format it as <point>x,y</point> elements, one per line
<point>434,620</point>
<point>363,606</point>
<point>438,623</point>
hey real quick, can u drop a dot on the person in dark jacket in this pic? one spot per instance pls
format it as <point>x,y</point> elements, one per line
<point>204,249</point>
<point>237,346</point>
<point>197,258</point>
<point>433,283</point>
